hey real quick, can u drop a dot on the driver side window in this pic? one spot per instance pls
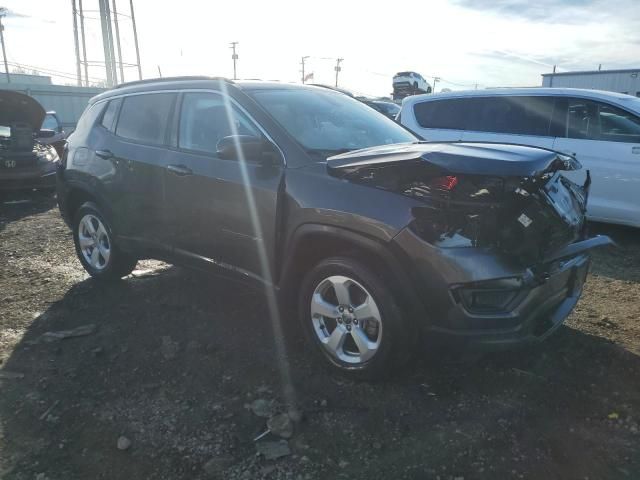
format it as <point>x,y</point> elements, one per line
<point>204,121</point>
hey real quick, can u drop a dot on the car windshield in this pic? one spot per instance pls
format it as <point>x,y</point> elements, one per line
<point>326,121</point>
<point>5,131</point>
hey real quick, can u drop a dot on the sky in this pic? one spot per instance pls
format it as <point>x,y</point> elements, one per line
<point>488,43</point>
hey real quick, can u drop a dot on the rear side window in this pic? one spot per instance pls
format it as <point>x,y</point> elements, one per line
<point>511,115</point>
<point>204,122</point>
<point>109,116</point>
<point>144,118</point>
<point>447,114</point>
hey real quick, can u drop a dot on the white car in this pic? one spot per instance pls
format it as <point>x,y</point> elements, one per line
<point>601,129</point>
<point>409,83</point>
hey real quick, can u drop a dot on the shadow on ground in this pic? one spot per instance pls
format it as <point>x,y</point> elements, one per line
<point>17,205</point>
<point>177,356</point>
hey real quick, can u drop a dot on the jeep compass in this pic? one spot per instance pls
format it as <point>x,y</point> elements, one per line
<point>377,238</point>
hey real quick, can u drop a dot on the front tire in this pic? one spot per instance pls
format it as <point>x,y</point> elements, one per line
<point>352,320</point>
<point>95,247</point>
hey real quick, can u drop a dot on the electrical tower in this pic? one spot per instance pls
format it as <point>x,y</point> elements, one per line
<point>112,48</point>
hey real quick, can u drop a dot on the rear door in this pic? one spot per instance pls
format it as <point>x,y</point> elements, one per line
<point>606,140</point>
<point>523,120</point>
<point>139,151</point>
<point>438,120</point>
<point>209,202</point>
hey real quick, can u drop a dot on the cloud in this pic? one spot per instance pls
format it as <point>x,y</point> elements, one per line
<point>554,11</point>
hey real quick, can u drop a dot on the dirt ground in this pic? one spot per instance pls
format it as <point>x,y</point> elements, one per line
<point>177,357</point>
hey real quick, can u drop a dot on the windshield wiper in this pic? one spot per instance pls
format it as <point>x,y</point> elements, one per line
<point>328,152</point>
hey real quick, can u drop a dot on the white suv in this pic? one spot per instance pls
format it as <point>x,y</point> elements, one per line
<point>601,129</point>
<point>409,83</point>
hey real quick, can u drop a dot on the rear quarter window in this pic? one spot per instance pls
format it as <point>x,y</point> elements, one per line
<point>88,118</point>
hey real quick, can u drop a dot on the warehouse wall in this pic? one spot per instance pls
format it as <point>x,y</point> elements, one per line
<point>67,101</point>
<point>622,82</point>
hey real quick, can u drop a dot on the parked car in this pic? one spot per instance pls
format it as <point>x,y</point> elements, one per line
<point>25,162</point>
<point>372,236</point>
<point>409,83</point>
<point>388,109</point>
<point>601,129</point>
<point>54,133</point>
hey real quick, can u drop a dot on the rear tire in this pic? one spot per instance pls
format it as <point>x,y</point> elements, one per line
<point>352,320</point>
<point>95,247</point>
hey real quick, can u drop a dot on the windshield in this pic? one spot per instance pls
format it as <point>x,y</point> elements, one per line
<point>323,120</point>
<point>5,131</point>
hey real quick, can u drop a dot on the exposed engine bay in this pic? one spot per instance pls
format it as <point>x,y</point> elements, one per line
<point>526,211</point>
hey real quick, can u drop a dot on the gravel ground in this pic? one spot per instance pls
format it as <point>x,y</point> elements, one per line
<point>170,367</point>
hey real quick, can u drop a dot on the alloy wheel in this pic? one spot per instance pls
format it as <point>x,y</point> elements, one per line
<point>346,320</point>
<point>94,242</point>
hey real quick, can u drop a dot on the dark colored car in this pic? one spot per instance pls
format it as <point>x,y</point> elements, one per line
<point>25,161</point>
<point>376,239</point>
<point>388,109</point>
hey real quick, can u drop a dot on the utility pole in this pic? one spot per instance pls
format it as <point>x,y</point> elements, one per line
<point>115,24</point>
<point>338,68</point>
<point>234,57</point>
<point>84,44</point>
<point>75,41</point>
<point>4,52</point>
<point>135,39</point>
<point>302,63</point>
<point>552,75</point>
<point>435,80</point>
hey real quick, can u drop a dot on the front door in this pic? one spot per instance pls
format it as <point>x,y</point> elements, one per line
<point>222,211</point>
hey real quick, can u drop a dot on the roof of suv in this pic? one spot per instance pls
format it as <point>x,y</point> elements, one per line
<point>168,83</point>
<point>575,92</point>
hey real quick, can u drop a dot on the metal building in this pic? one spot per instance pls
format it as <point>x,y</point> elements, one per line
<point>620,81</point>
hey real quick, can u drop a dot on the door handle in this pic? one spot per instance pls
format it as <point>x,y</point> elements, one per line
<point>105,154</point>
<point>180,170</point>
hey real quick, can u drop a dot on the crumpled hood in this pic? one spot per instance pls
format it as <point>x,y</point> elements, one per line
<point>493,159</point>
<point>17,107</point>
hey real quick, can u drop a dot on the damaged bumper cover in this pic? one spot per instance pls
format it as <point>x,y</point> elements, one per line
<point>473,296</point>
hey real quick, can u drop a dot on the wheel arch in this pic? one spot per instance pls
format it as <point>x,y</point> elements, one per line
<point>310,243</point>
<point>78,194</point>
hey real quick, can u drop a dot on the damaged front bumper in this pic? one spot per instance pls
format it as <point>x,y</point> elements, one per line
<point>474,296</point>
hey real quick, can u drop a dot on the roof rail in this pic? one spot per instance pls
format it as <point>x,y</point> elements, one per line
<point>171,79</point>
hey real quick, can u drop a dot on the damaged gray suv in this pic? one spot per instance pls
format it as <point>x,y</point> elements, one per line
<point>375,239</point>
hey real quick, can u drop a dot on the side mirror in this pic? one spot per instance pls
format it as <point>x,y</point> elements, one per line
<point>252,148</point>
<point>46,133</point>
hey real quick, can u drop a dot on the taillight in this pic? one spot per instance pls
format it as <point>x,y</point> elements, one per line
<point>444,183</point>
